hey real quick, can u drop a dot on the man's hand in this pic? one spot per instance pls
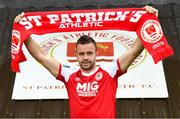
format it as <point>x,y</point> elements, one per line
<point>19,17</point>
<point>151,10</point>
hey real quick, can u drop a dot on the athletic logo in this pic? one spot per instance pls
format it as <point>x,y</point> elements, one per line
<point>15,44</point>
<point>99,76</point>
<point>151,31</point>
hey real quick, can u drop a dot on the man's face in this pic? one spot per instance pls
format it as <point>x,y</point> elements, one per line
<point>86,55</point>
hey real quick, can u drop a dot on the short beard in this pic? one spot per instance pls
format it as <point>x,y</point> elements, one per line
<point>89,68</point>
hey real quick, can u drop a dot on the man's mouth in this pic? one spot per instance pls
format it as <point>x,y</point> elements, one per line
<point>86,63</point>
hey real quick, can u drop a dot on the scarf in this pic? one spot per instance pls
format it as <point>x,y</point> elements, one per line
<point>146,26</point>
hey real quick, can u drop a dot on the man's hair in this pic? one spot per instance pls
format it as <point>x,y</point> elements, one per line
<point>85,40</point>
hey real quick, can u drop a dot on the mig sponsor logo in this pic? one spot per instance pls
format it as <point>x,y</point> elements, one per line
<point>87,89</point>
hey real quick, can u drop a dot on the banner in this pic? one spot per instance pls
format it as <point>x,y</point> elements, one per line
<point>144,79</point>
<point>145,25</point>
<point>114,30</point>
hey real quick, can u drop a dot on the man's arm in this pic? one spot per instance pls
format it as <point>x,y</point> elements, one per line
<point>49,63</point>
<point>136,49</point>
<point>126,59</point>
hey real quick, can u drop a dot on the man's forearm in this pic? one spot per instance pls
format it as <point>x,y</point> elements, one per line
<point>137,48</point>
<point>49,63</point>
<point>34,49</point>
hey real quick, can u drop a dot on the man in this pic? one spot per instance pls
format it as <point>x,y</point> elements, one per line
<point>91,89</point>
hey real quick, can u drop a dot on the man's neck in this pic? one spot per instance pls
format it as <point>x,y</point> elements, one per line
<point>89,72</point>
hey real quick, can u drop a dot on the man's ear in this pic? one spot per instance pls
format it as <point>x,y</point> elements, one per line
<point>75,52</point>
<point>97,53</point>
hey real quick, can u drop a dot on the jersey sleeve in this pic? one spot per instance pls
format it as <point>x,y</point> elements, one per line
<point>65,70</point>
<point>113,68</point>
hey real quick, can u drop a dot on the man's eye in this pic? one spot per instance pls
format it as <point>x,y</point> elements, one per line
<point>81,53</point>
<point>89,53</point>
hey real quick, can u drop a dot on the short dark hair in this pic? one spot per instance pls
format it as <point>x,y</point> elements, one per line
<point>85,39</point>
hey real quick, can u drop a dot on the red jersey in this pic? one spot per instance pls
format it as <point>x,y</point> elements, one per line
<point>93,95</point>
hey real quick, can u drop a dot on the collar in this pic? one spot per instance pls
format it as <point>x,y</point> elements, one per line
<point>91,73</point>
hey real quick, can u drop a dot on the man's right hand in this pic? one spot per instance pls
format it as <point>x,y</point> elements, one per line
<point>19,17</point>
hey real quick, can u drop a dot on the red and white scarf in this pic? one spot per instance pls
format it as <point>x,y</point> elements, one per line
<point>146,26</point>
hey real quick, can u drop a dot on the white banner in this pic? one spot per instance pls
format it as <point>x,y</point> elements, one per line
<point>144,79</point>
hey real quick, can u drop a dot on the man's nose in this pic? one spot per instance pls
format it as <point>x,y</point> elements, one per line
<point>85,56</point>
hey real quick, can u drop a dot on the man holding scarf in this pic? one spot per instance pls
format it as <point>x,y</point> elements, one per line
<point>91,89</point>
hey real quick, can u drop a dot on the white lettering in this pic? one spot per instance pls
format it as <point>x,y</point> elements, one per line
<point>35,19</point>
<point>81,24</point>
<point>100,16</point>
<point>158,44</point>
<point>90,17</point>
<point>53,18</point>
<point>137,16</point>
<point>62,26</point>
<point>87,86</point>
<point>99,24</point>
<point>94,85</point>
<point>65,18</point>
<point>81,87</point>
<point>75,20</point>
<point>121,16</point>
<point>107,16</point>
<point>77,16</point>
<point>26,23</point>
